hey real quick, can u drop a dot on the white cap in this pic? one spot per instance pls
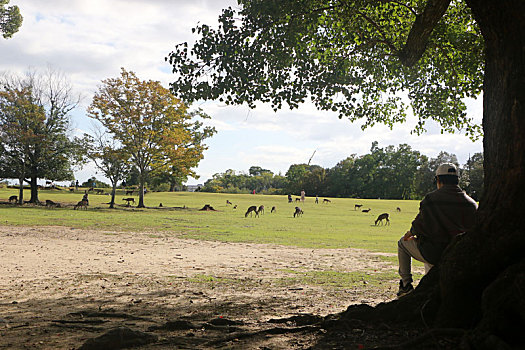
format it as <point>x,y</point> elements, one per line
<point>447,169</point>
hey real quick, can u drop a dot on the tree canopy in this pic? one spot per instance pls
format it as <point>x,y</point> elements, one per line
<point>10,19</point>
<point>352,57</point>
<point>152,126</point>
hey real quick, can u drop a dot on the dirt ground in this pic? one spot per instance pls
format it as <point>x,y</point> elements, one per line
<point>60,287</point>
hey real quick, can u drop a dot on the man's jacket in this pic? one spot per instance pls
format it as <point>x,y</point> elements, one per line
<point>443,214</point>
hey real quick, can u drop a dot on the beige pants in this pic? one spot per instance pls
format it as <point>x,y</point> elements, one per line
<point>406,250</point>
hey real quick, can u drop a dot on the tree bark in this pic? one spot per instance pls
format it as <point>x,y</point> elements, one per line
<point>113,192</point>
<point>34,189</point>
<point>141,190</point>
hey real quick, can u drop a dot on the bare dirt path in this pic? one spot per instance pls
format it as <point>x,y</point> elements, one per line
<point>60,286</point>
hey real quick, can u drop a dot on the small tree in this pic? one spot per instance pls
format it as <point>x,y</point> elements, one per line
<point>153,126</point>
<point>109,158</point>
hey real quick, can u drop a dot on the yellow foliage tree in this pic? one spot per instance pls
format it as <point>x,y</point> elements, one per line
<point>154,127</point>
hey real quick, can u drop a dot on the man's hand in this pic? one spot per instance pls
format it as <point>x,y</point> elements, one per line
<point>408,236</point>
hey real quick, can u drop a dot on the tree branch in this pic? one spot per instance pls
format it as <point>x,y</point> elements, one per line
<point>403,5</point>
<point>421,30</point>
<point>380,30</point>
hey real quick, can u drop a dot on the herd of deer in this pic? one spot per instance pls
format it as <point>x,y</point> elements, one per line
<point>298,212</point>
<point>251,210</point>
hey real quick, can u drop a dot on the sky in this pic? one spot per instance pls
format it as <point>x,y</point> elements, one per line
<point>91,40</point>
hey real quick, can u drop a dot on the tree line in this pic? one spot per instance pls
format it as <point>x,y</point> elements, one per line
<point>389,173</point>
<point>144,130</point>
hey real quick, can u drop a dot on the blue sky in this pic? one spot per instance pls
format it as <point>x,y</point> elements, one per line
<point>90,40</point>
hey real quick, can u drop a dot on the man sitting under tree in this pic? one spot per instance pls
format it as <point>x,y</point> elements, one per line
<point>443,214</point>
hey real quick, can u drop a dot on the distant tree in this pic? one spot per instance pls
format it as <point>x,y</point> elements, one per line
<point>257,170</point>
<point>426,173</point>
<point>295,176</point>
<point>153,126</point>
<point>10,19</point>
<point>34,113</point>
<point>472,176</point>
<point>423,179</point>
<point>93,182</point>
<point>341,178</point>
<point>170,180</point>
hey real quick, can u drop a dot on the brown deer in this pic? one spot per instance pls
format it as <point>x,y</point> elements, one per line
<point>357,206</point>
<point>366,210</point>
<point>261,209</point>
<point>82,204</point>
<point>50,203</point>
<point>129,192</point>
<point>398,209</point>
<point>327,201</point>
<point>13,199</point>
<point>228,202</point>
<point>128,200</point>
<point>382,217</point>
<point>297,200</point>
<point>99,191</point>
<point>273,210</point>
<point>251,209</point>
<point>298,212</point>
<point>235,206</point>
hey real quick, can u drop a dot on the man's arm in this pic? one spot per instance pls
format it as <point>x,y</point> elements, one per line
<point>408,236</point>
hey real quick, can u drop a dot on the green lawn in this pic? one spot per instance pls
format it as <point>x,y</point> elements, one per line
<point>333,225</point>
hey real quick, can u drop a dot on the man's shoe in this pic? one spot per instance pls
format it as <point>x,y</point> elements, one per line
<point>404,290</point>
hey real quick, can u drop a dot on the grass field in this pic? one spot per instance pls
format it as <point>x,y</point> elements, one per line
<point>332,225</point>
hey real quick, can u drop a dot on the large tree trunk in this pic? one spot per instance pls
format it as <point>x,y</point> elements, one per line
<point>113,192</point>
<point>21,190</point>
<point>34,189</point>
<point>498,240</point>
<point>141,190</point>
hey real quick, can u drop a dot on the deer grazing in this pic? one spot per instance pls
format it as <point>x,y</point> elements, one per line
<point>261,209</point>
<point>398,209</point>
<point>13,199</point>
<point>128,200</point>
<point>82,204</point>
<point>357,206</point>
<point>382,217</point>
<point>366,210</point>
<point>99,191</point>
<point>273,210</point>
<point>297,200</point>
<point>129,192</point>
<point>252,209</point>
<point>326,201</point>
<point>228,202</point>
<point>50,204</point>
<point>298,212</point>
